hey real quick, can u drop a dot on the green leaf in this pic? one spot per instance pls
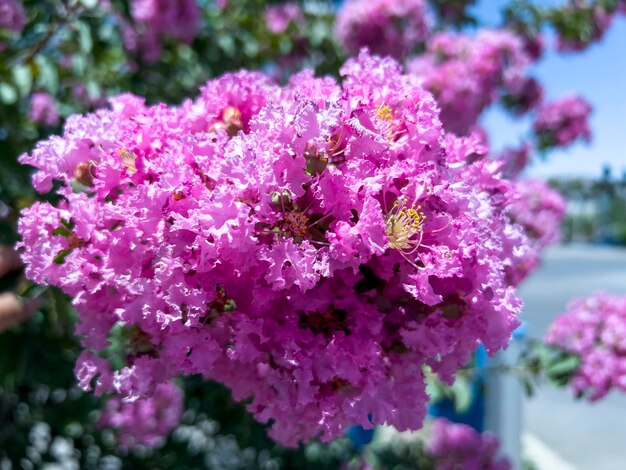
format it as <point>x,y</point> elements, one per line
<point>463,396</point>
<point>543,354</point>
<point>563,366</point>
<point>529,388</point>
<point>84,37</point>
<point>227,44</point>
<point>63,231</point>
<point>93,89</point>
<point>60,257</point>
<point>23,78</point>
<point>69,224</point>
<point>8,93</point>
<point>48,75</point>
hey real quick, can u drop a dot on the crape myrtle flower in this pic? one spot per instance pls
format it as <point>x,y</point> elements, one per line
<point>562,122</point>
<point>145,421</point>
<point>514,159</point>
<point>279,17</point>
<point>156,20</point>
<point>591,21</point>
<point>311,246</point>
<point>43,109</point>
<point>539,210</point>
<point>468,73</point>
<point>455,445</point>
<point>12,16</point>
<point>594,329</point>
<point>386,27</point>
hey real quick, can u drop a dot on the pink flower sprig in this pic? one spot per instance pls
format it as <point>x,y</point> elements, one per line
<point>539,210</point>
<point>43,109</point>
<point>310,246</point>
<point>468,73</point>
<point>562,122</point>
<point>386,27</point>
<point>592,22</point>
<point>594,328</point>
<point>455,445</point>
<point>12,16</point>
<point>156,20</point>
<point>279,17</point>
<point>145,421</point>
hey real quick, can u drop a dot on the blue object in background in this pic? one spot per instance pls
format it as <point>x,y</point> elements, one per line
<point>474,416</point>
<point>360,436</point>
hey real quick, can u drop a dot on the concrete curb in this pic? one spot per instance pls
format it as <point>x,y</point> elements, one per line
<point>542,456</point>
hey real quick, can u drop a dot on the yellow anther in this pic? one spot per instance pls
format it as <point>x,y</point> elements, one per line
<point>384,112</point>
<point>127,158</point>
<point>297,223</point>
<point>404,226</point>
<point>390,122</point>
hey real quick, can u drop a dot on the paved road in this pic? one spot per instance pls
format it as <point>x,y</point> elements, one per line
<point>589,436</point>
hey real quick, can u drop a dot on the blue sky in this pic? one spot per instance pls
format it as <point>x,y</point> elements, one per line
<point>598,74</point>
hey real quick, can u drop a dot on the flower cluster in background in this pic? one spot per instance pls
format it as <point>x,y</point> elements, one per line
<point>12,15</point>
<point>311,246</point>
<point>539,210</point>
<point>145,421</point>
<point>562,122</point>
<point>43,109</point>
<point>386,27</point>
<point>594,329</point>
<point>156,20</point>
<point>467,73</point>
<point>514,160</point>
<point>453,446</point>
<point>596,16</point>
<point>279,17</point>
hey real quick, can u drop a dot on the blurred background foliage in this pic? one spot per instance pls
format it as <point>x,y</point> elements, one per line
<point>75,52</point>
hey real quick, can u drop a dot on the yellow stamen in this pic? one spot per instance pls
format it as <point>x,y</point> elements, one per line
<point>297,223</point>
<point>404,226</point>
<point>128,161</point>
<point>391,124</point>
<point>384,112</point>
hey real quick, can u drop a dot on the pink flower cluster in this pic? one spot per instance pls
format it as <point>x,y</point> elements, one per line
<point>279,17</point>
<point>12,15</point>
<point>454,446</point>
<point>598,20</point>
<point>539,209</point>
<point>468,73</point>
<point>386,27</point>
<point>515,160</point>
<point>559,123</point>
<point>310,246</point>
<point>145,421</point>
<point>522,255</point>
<point>594,328</point>
<point>43,109</point>
<point>154,20</point>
